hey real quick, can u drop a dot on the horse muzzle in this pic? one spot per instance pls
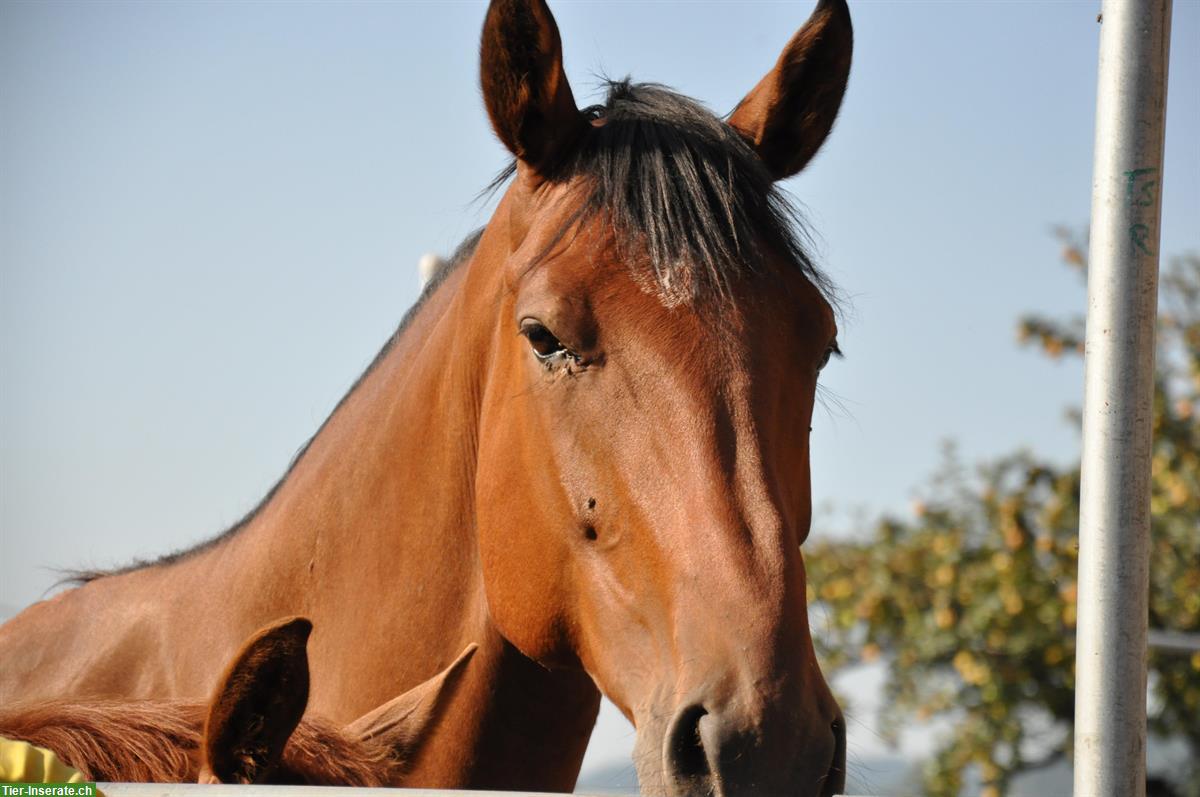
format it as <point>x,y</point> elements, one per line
<point>736,749</point>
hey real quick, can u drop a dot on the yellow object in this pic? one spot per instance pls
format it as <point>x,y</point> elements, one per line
<point>21,762</point>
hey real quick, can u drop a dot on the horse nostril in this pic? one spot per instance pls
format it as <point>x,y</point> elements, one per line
<point>685,755</point>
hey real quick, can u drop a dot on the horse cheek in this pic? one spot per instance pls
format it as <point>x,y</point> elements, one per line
<point>524,563</point>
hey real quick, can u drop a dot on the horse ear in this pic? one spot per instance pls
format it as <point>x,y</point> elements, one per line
<point>257,704</point>
<point>788,115</point>
<point>402,724</point>
<point>524,85</point>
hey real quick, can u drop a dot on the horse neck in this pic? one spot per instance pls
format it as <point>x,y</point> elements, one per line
<point>378,512</point>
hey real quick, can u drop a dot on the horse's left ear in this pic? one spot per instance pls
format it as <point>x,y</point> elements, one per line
<point>788,115</point>
<point>257,704</point>
<point>403,724</point>
<point>524,86</point>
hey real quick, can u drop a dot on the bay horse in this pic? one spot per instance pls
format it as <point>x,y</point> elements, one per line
<point>252,730</point>
<point>585,451</point>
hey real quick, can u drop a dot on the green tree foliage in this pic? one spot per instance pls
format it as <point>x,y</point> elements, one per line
<point>971,602</point>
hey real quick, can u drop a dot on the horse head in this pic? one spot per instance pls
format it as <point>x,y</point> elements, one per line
<point>654,331</point>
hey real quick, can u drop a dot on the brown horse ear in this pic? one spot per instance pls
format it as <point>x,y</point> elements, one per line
<point>257,704</point>
<point>403,723</point>
<point>524,85</point>
<point>788,115</point>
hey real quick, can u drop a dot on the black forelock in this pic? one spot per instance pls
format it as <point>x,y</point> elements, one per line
<point>688,200</point>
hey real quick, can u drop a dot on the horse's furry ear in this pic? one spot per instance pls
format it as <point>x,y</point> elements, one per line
<point>788,115</point>
<point>257,704</point>
<point>524,86</point>
<point>403,723</point>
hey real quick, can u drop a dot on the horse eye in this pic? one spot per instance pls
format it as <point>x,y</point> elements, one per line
<point>829,352</point>
<point>825,359</point>
<point>542,341</point>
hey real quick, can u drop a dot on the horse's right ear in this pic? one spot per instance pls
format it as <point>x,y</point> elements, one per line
<point>524,86</point>
<point>788,115</point>
<point>257,704</point>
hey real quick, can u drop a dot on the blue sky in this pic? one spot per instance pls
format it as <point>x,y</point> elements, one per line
<point>211,214</point>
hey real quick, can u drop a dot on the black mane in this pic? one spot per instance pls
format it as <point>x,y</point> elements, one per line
<point>689,202</point>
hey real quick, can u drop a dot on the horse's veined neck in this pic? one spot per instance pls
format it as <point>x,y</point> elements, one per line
<point>383,431</point>
<point>387,481</point>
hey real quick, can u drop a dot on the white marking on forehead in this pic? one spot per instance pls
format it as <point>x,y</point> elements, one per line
<point>674,288</point>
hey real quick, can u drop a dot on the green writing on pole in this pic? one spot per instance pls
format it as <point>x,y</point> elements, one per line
<point>1139,189</point>
<point>1140,234</point>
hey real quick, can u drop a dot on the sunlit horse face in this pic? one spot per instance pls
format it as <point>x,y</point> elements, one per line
<point>643,484</point>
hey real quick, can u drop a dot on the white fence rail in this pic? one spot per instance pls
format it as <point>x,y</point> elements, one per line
<point>230,790</point>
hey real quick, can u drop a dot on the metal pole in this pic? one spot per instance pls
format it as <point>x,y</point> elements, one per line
<point>1114,524</point>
